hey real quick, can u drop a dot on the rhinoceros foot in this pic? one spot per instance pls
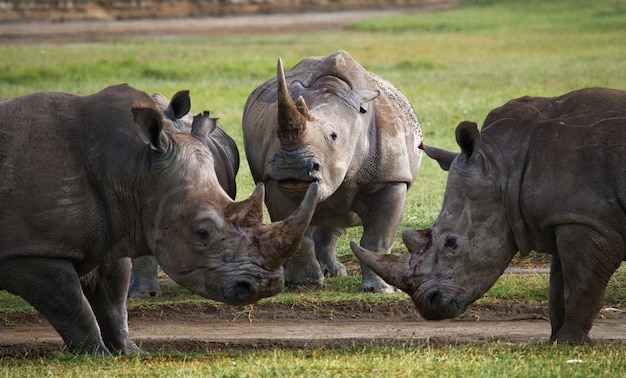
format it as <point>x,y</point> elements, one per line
<point>370,288</point>
<point>130,349</point>
<point>303,275</point>
<point>334,269</point>
<point>372,283</point>
<point>144,281</point>
<point>572,336</point>
<point>144,290</point>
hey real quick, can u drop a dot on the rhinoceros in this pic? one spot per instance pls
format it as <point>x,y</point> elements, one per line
<point>88,181</point>
<point>544,174</point>
<point>329,121</point>
<point>144,280</point>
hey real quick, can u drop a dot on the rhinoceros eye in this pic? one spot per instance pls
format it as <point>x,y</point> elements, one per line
<point>202,233</point>
<point>333,136</point>
<point>450,242</point>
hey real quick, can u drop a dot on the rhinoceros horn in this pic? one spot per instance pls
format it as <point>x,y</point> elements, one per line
<point>467,137</point>
<point>278,241</point>
<point>249,212</point>
<point>443,157</point>
<point>292,118</point>
<point>393,268</point>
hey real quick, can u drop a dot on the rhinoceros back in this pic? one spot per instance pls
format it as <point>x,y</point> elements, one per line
<point>226,158</point>
<point>583,107</point>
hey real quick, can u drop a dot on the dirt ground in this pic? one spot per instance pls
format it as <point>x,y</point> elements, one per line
<point>199,327</point>
<point>216,326</point>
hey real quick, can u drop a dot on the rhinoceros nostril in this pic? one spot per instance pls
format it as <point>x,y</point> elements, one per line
<point>314,165</point>
<point>434,299</point>
<point>242,290</point>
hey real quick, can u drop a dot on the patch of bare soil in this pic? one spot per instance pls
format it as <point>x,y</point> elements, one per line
<point>83,28</point>
<point>216,326</point>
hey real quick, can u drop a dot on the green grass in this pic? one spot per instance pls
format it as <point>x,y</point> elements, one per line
<point>453,65</point>
<point>376,361</point>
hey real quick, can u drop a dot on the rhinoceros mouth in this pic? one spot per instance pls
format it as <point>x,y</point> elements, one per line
<point>294,185</point>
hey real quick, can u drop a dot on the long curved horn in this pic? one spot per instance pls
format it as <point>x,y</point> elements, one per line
<point>280,240</point>
<point>392,267</point>
<point>291,122</point>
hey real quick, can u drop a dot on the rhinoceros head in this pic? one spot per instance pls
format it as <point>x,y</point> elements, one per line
<point>321,131</point>
<point>468,246</point>
<point>217,248</point>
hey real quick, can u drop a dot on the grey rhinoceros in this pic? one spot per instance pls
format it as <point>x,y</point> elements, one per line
<point>329,121</point>
<point>545,174</point>
<point>88,181</point>
<point>144,280</point>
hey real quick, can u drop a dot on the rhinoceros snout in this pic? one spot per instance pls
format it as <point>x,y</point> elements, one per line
<point>246,291</point>
<point>434,299</point>
<point>241,292</point>
<point>434,305</point>
<point>309,169</point>
<point>295,172</point>
<point>431,306</point>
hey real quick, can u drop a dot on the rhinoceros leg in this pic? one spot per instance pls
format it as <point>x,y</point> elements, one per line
<point>586,262</point>
<point>302,269</point>
<point>106,288</point>
<point>144,282</point>
<point>53,288</point>
<point>381,220</point>
<point>556,301</point>
<point>325,239</point>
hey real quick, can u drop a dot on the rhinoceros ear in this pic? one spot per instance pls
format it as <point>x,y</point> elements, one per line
<point>150,127</point>
<point>443,157</point>
<point>363,97</point>
<point>203,125</point>
<point>179,105</point>
<point>468,138</point>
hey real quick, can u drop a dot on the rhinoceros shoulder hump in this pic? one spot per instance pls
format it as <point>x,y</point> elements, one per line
<point>397,103</point>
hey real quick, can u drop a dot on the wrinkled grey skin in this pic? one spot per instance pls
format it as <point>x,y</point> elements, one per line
<point>330,121</point>
<point>88,181</point>
<point>545,174</point>
<point>144,281</point>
